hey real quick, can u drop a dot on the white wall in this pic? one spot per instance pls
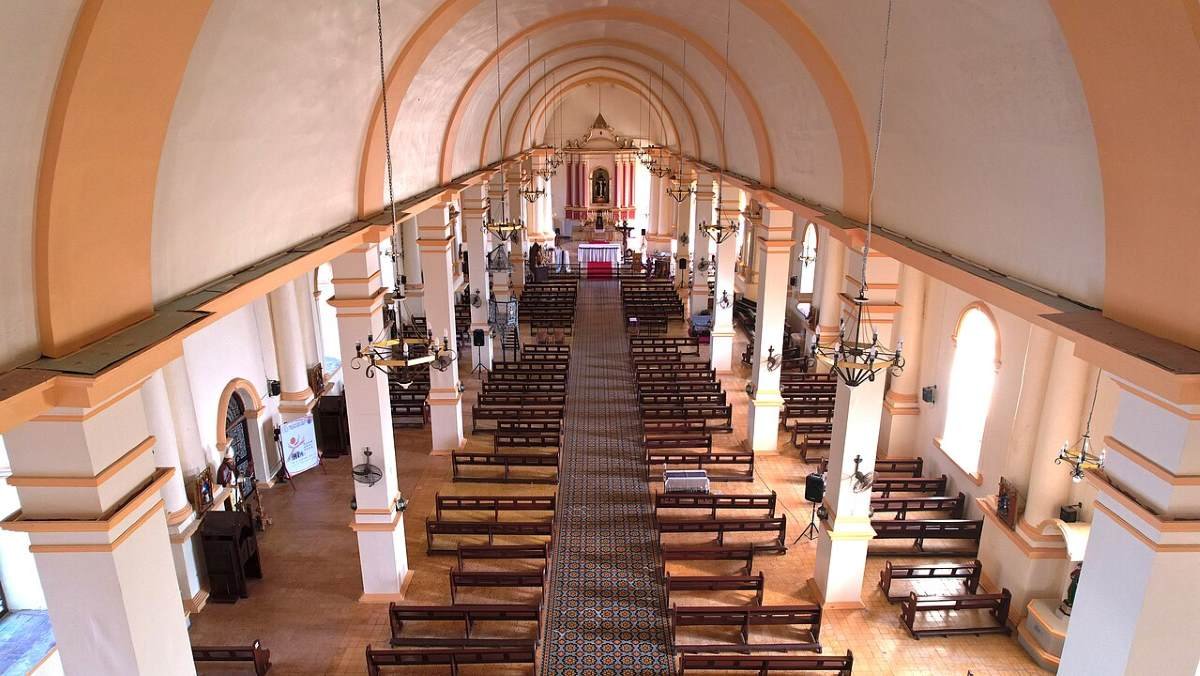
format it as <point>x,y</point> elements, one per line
<point>18,572</point>
<point>33,36</point>
<point>231,348</point>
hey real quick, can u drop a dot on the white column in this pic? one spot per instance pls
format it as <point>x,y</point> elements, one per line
<point>842,544</point>
<point>722,332</point>
<point>1068,392</point>
<point>478,245</point>
<point>414,286</point>
<point>445,401</point>
<point>358,299</point>
<point>705,215</point>
<point>182,522</point>
<point>1138,605</point>
<point>309,328</point>
<point>92,505</point>
<point>832,261</point>
<point>901,406</point>
<point>296,398</point>
<point>774,261</point>
<point>501,282</point>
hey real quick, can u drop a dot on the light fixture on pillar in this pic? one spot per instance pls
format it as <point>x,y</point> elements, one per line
<point>851,357</point>
<point>380,357</point>
<point>773,361</point>
<point>443,356</point>
<point>724,303</point>
<point>1080,456</point>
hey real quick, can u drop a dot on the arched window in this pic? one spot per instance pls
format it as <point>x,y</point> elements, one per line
<point>808,264</point>
<point>972,378</point>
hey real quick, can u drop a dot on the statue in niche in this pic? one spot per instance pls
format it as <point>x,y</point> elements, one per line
<point>600,186</point>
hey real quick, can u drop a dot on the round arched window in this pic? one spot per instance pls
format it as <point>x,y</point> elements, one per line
<point>972,379</point>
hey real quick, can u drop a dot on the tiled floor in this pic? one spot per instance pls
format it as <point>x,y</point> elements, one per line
<point>306,610</point>
<point>25,638</point>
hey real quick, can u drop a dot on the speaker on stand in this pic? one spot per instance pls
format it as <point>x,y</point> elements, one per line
<point>814,493</point>
<point>478,340</point>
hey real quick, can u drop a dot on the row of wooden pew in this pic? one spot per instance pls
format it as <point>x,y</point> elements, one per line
<point>650,305</point>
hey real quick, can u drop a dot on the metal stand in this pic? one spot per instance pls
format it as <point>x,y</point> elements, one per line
<point>810,531</point>
<point>479,369</point>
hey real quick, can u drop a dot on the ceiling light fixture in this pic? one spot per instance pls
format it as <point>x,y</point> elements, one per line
<point>717,231</point>
<point>853,359</point>
<point>1080,456</point>
<point>505,228</point>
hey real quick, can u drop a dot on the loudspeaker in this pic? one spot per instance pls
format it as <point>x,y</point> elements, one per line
<point>643,232</point>
<point>477,337</point>
<point>814,487</point>
<point>683,263</point>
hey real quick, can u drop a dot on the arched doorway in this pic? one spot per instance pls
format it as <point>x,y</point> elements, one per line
<point>237,431</point>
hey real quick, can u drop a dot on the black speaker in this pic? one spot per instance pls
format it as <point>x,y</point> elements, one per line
<point>683,263</point>
<point>477,337</point>
<point>643,232</point>
<point>814,487</point>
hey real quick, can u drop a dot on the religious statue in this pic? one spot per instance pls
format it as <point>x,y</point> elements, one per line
<point>1067,603</point>
<point>600,186</point>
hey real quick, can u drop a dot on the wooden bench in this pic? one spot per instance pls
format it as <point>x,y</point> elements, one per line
<point>969,573</point>
<point>525,438</point>
<point>723,414</point>
<point>526,388</point>
<point>997,606</point>
<point>526,377</point>
<point>677,439</point>
<point>494,504</point>
<point>743,553</point>
<point>491,529</point>
<point>683,399</point>
<point>702,460</point>
<point>466,613</point>
<point>254,654</point>
<point>810,436</point>
<point>765,664</point>
<point>531,400</point>
<point>773,524</point>
<point>653,427</point>
<point>920,530</point>
<point>713,501</point>
<point>494,580</point>
<point>885,486</point>
<point>512,413</point>
<point>500,553</point>
<point>953,508</point>
<point>451,657</point>
<point>744,618</point>
<point>909,467</point>
<point>461,459</point>
<point>754,583</point>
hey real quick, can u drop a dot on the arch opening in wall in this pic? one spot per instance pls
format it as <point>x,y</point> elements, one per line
<point>971,384</point>
<point>808,259</point>
<point>237,431</point>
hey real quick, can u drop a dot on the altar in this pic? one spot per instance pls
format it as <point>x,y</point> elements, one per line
<point>599,260</point>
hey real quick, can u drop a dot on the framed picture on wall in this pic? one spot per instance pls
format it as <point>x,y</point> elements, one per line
<point>201,491</point>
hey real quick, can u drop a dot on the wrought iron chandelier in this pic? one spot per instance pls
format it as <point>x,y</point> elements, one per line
<point>807,256</point>
<point>717,231</point>
<point>529,189</point>
<point>443,356</point>
<point>680,190</point>
<point>1080,456</point>
<point>504,228</point>
<point>380,357</point>
<point>853,359</point>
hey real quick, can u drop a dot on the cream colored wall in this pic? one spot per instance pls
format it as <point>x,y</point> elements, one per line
<point>264,144</point>
<point>33,35</point>
<point>578,111</point>
<point>18,573</point>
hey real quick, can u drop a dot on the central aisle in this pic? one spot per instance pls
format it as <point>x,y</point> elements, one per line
<point>607,608</point>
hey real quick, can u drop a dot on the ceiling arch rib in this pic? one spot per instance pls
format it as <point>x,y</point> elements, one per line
<point>460,116</point>
<point>587,78</point>
<point>423,42</point>
<point>550,98</point>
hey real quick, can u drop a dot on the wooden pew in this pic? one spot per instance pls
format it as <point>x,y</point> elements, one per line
<point>677,438</point>
<point>997,606</point>
<point>969,573</point>
<point>742,553</point>
<point>952,508</point>
<point>776,525</point>
<point>522,388</point>
<point>494,580</point>
<point>650,427</point>
<point>461,459</point>
<point>500,552</point>
<point>723,414</point>
<point>745,618</point>
<point>967,530</point>
<point>811,436</point>
<point>765,664</point>
<point>525,438</point>
<point>254,654</point>
<point>494,504</point>
<point>754,583</point>
<point>684,398</point>
<point>492,529</point>
<point>907,467</point>
<point>702,460</point>
<point>885,486</point>
<point>469,614</point>
<point>500,414</point>
<point>451,657</point>
<point>713,502</point>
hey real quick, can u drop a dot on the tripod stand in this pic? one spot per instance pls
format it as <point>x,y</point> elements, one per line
<point>479,369</point>
<point>810,531</point>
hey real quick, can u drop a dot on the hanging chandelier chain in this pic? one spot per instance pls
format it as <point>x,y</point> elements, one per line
<point>500,116</point>
<point>887,32</point>
<point>1087,431</point>
<point>397,243</point>
<point>725,92</point>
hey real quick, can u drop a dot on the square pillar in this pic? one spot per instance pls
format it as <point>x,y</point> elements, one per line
<point>358,299</point>
<point>774,263</point>
<point>722,332</point>
<point>92,504</point>
<point>414,287</point>
<point>703,246</point>
<point>445,401</point>
<point>479,244</point>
